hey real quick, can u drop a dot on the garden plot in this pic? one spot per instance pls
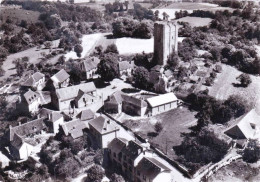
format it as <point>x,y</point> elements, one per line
<point>196,21</point>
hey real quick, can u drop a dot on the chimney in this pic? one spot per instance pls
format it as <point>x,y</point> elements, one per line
<point>19,123</point>
<point>10,126</point>
<point>108,121</point>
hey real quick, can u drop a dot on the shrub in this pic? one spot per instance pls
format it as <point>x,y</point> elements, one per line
<point>244,79</point>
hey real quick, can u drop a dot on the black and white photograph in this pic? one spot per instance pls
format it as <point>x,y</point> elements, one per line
<point>129,91</point>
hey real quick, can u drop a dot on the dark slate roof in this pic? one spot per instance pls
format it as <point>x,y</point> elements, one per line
<point>103,125</point>
<point>117,144</point>
<point>90,63</point>
<point>17,141</point>
<point>86,114</point>
<point>72,92</point>
<point>134,101</point>
<point>30,96</point>
<point>133,149</point>
<point>151,167</point>
<point>124,65</point>
<point>61,76</point>
<point>27,128</point>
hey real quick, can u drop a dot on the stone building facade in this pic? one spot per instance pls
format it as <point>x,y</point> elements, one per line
<point>165,40</point>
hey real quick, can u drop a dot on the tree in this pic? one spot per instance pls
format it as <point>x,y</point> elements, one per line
<point>78,49</point>
<point>95,174</point>
<point>251,153</point>
<point>165,16</point>
<point>237,104</point>
<point>117,178</point>
<point>173,61</point>
<point>112,48</point>
<point>108,67</point>
<point>3,52</point>
<point>158,127</point>
<point>141,78</point>
<point>143,30</point>
<point>244,79</point>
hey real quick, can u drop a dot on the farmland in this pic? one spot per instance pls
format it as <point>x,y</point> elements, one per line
<point>223,86</point>
<point>196,21</point>
<point>174,122</point>
<point>17,15</point>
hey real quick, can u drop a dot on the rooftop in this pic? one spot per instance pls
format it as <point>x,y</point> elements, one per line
<point>74,128</point>
<point>162,99</point>
<point>33,79</point>
<point>124,65</point>
<point>72,91</point>
<point>134,101</point>
<point>86,114</point>
<point>90,63</point>
<point>30,96</point>
<point>103,125</point>
<point>60,77</point>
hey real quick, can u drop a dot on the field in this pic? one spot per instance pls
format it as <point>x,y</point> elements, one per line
<point>16,14</point>
<point>237,171</point>
<point>190,6</point>
<point>175,122</point>
<point>223,86</point>
<point>196,21</point>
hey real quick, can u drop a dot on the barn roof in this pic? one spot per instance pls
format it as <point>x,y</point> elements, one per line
<point>162,99</point>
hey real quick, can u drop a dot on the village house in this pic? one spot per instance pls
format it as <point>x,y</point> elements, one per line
<point>103,130</point>
<point>119,102</point>
<point>133,106</point>
<point>89,67</point>
<point>162,103</point>
<point>245,127</point>
<point>20,147</point>
<point>35,81</point>
<point>125,68</point>
<point>86,116</point>
<point>54,121</point>
<point>75,96</point>
<point>150,169</point>
<point>134,160</point>
<point>74,128</point>
<point>30,102</point>
<point>60,79</point>
<point>114,103</point>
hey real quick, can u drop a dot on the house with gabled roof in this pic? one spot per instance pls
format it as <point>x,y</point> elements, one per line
<point>74,96</point>
<point>89,67</point>
<point>114,103</point>
<point>54,121</point>
<point>30,102</point>
<point>20,147</point>
<point>125,68</point>
<point>74,128</point>
<point>162,103</point>
<point>150,169</point>
<point>103,130</point>
<point>60,79</point>
<point>133,106</point>
<point>35,81</point>
<point>245,127</point>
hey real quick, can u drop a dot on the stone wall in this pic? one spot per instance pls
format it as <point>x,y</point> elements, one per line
<point>165,41</point>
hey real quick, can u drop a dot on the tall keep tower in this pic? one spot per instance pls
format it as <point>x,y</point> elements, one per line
<point>165,40</point>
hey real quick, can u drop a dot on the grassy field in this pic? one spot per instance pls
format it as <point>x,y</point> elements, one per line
<point>190,6</point>
<point>196,21</point>
<point>17,15</point>
<point>175,122</point>
<point>223,86</point>
<point>237,171</point>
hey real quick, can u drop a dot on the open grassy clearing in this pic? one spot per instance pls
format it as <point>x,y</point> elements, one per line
<point>237,171</point>
<point>174,122</point>
<point>190,6</point>
<point>196,21</point>
<point>17,15</point>
<point>223,86</point>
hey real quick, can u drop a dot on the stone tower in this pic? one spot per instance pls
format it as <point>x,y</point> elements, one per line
<point>165,40</point>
